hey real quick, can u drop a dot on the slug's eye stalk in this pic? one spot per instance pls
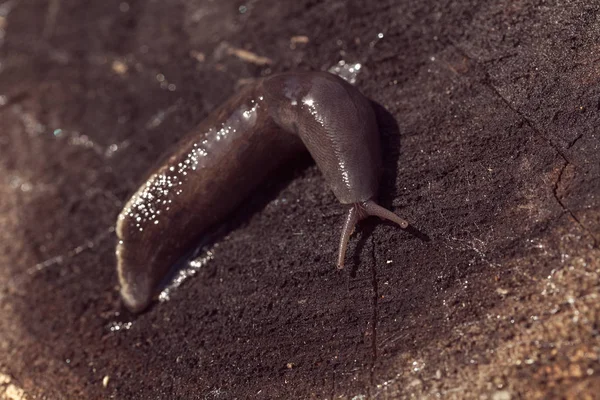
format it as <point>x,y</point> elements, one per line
<point>360,211</point>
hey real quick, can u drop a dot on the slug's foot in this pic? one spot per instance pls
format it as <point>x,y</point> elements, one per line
<point>360,211</point>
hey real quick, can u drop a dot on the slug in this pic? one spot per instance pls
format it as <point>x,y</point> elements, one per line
<point>213,168</point>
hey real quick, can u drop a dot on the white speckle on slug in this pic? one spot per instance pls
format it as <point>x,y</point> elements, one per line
<point>146,204</point>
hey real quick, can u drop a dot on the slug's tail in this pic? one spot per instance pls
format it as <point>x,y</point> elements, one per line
<point>360,211</point>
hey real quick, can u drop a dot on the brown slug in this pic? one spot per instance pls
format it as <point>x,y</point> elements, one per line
<point>212,169</point>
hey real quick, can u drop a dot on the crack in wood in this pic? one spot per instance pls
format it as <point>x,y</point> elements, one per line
<point>375,315</point>
<point>567,209</point>
<point>488,82</point>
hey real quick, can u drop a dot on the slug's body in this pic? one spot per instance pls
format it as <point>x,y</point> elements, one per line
<point>216,166</point>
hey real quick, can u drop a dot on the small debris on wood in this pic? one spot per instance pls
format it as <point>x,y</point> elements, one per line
<point>296,40</point>
<point>198,55</point>
<point>249,56</point>
<point>119,67</point>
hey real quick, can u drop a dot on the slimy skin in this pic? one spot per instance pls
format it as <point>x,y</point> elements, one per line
<point>214,168</point>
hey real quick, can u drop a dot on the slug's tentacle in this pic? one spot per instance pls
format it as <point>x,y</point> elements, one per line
<point>376,210</point>
<point>347,230</point>
<point>357,212</point>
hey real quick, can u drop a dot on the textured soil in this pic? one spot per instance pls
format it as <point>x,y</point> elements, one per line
<point>490,119</point>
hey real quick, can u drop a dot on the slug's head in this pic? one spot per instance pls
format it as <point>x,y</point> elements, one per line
<point>337,125</point>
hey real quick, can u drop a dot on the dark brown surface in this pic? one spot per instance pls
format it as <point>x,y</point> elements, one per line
<point>496,161</point>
